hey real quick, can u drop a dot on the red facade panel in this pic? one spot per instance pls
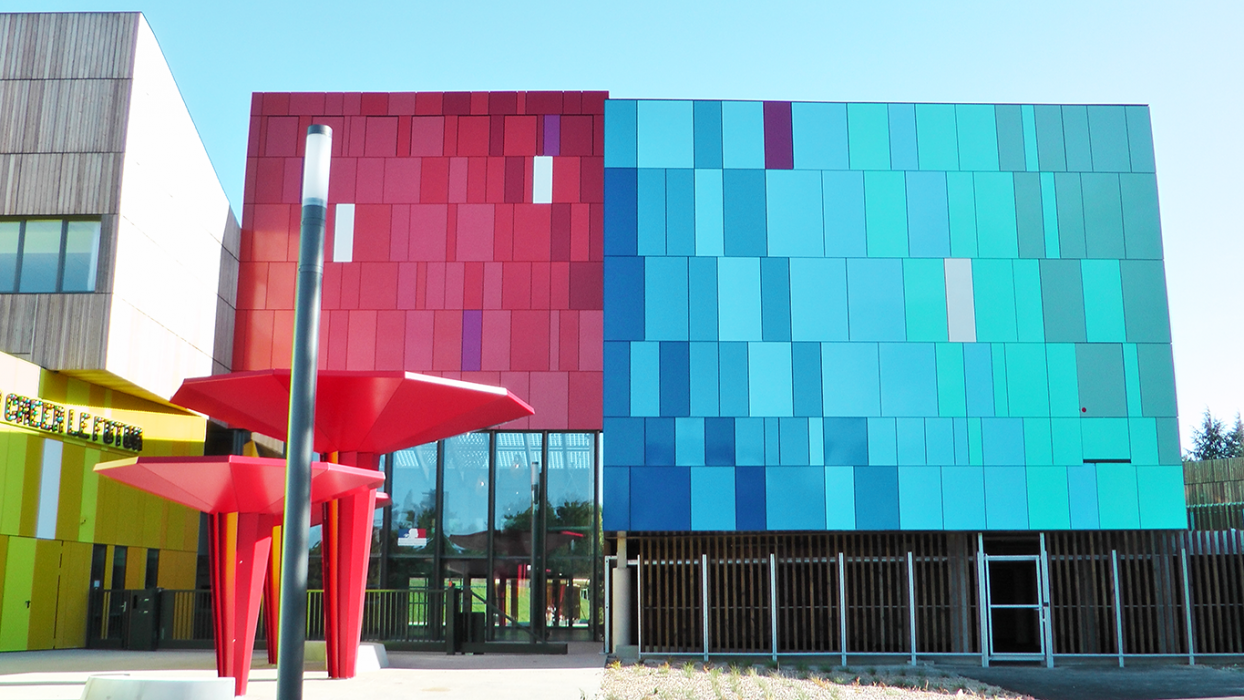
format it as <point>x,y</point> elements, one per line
<point>453,270</point>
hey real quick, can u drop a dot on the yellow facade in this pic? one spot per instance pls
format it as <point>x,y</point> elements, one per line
<point>54,509</point>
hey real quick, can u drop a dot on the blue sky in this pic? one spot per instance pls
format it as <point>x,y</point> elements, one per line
<point>1182,59</point>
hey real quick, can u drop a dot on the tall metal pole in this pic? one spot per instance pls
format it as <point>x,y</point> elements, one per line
<point>297,530</point>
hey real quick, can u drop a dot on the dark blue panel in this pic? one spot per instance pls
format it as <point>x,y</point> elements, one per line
<point>1028,215</point>
<point>806,370</point>
<point>1002,440</point>
<point>680,212</point>
<point>625,445</point>
<point>773,455</point>
<point>775,299</point>
<point>702,274</point>
<point>624,298</point>
<point>846,442</point>
<point>733,373</point>
<point>675,379</point>
<point>719,442</point>
<point>928,222</point>
<point>749,498</point>
<point>794,441</point>
<point>978,378</point>
<point>617,379</point>
<point>744,195</point>
<point>708,134</point>
<point>661,498</point>
<point>659,442</point>
<point>876,498</point>
<point>903,137</point>
<point>621,210</point>
<point>616,510</point>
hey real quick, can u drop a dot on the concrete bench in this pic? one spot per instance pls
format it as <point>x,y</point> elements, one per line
<point>125,687</point>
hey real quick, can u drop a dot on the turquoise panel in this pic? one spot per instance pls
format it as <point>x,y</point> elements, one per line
<point>702,298</point>
<point>963,498</point>
<point>851,379</point>
<point>1157,381</point>
<point>819,131</point>
<point>1063,380</point>
<point>749,442</point>
<point>680,212</point>
<point>772,443</point>
<point>875,299</point>
<point>885,211</point>
<point>707,134</point>
<point>769,375</point>
<point>816,436</point>
<point>903,137</point>
<point>1161,495</point>
<point>993,285</point>
<point>1062,301</point>
<point>939,440</point>
<point>961,205</point>
<point>1051,153</point>
<point>1029,313</point>
<point>1144,438</point>
<point>645,379</point>
<point>962,448</point>
<point>619,133</point>
<point>995,215</point>
<point>868,135</point>
<point>738,307</point>
<point>1049,507</point>
<point>1108,138</point>
<point>1076,138</point>
<point>1049,216</point>
<point>840,498</point>
<point>1028,116</point>
<point>742,135</point>
<point>978,374</point>
<point>936,137</point>
<point>843,194</point>
<point>1168,441</point>
<point>978,137</point>
<point>1038,443</point>
<point>924,285</point>
<point>1117,500</point>
<point>793,442</point>
<point>1066,440</point>
<point>1140,138</point>
<point>651,212</point>
<point>689,441</point>
<point>712,498</point>
<point>704,400</point>
<point>1003,441</point>
<point>1105,438</point>
<point>1099,369</point>
<point>910,433</point>
<point>928,222</point>
<point>1144,301</point>
<point>882,442</point>
<point>1026,382</point>
<point>800,491</point>
<point>998,350</point>
<point>1028,215</point>
<point>709,222</point>
<point>665,134</point>
<point>1006,498</point>
<point>1103,301</point>
<point>1103,216</point>
<point>1069,201</point>
<point>665,298</point>
<point>908,379</point>
<point>1082,496</point>
<point>793,206</point>
<point>732,358</point>
<point>919,498</point>
<point>1142,229</point>
<point>1131,379</point>
<point>1010,137</point>
<point>975,448</point>
<point>951,391</point>
<point>818,299</point>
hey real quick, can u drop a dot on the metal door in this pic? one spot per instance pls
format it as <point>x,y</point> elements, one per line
<point>1017,601</point>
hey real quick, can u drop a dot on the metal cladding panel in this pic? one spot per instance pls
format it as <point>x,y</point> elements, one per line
<point>465,240</point>
<point>884,317</point>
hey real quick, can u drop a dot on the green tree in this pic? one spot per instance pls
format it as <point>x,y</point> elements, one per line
<point>1212,441</point>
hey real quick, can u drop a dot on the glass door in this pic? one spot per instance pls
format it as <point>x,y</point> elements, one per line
<point>1015,599</point>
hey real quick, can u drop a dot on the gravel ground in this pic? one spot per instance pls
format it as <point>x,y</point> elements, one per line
<point>694,681</point>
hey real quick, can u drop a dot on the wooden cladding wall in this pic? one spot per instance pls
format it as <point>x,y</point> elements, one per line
<point>47,46</point>
<point>944,586</point>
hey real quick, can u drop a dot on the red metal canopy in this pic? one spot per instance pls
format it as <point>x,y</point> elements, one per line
<point>233,484</point>
<point>374,412</point>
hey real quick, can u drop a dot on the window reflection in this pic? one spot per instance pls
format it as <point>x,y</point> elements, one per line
<point>466,493</point>
<point>414,499</point>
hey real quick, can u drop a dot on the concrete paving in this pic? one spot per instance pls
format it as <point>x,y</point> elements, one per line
<point>1138,682</point>
<point>60,675</point>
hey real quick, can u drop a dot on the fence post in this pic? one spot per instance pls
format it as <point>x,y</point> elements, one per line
<point>842,606</point>
<point>911,603</point>
<point>704,599</point>
<point>1118,608</point>
<point>1183,553</point>
<point>773,610</point>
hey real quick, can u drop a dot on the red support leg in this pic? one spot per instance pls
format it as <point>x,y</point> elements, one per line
<point>238,546</point>
<point>345,577</point>
<point>272,595</point>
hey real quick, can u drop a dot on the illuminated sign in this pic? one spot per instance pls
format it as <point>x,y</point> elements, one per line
<point>50,417</point>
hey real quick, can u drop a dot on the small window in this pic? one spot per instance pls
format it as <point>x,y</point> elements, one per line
<point>40,256</point>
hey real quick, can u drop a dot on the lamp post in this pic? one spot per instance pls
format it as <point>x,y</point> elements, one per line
<point>297,529</point>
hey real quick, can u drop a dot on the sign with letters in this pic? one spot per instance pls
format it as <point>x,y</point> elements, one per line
<point>71,421</point>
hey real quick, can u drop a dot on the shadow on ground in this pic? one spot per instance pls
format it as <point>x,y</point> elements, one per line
<point>1097,683</point>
